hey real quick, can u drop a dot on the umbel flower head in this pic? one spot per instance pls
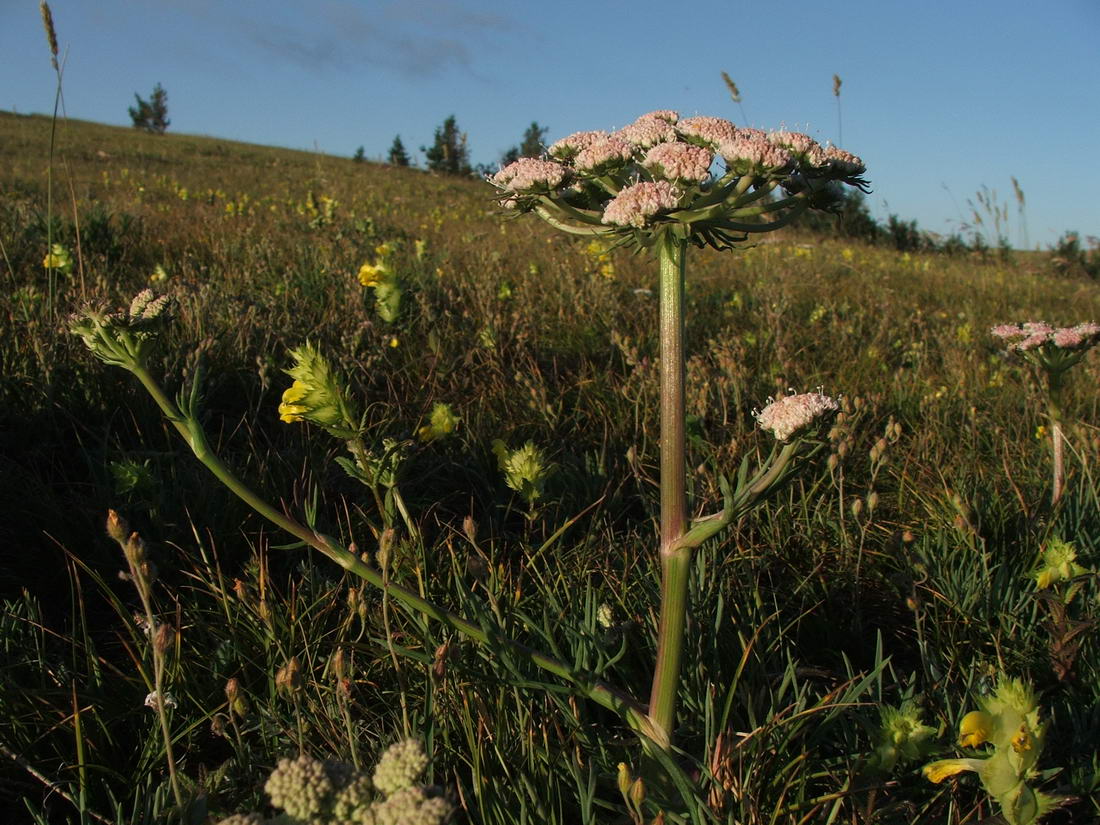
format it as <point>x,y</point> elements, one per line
<point>1009,722</point>
<point>317,395</point>
<point>1054,349</point>
<point>654,176</point>
<point>400,766</point>
<point>796,414</point>
<point>124,338</point>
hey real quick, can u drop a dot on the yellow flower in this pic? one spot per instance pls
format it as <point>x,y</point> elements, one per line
<point>372,274</point>
<point>394,342</point>
<point>975,729</point>
<point>441,422</point>
<point>289,410</point>
<point>938,771</point>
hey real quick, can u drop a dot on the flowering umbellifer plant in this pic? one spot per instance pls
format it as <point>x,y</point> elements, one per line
<point>1052,351</point>
<point>650,185</point>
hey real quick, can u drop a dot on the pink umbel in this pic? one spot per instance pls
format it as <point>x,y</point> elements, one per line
<point>678,162</point>
<point>634,205</point>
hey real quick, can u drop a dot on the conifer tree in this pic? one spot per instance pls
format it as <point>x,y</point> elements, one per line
<point>152,114</point>
<point>398,156</point>
<point>531,147</point>
<point>448,154</point>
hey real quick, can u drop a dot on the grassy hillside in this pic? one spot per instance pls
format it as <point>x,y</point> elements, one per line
<point>905,553</point>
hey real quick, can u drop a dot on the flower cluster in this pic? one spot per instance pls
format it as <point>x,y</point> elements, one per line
<point>796,414</point>
<point>1053,349</point>
<point>400,765</point>
<point>441,422</point>
<point>335,793</point>
<point>1009,721</point>
<point>1036,335</point>
<point>317,395</point>
<point>124,338</point>
<point>902,737</point>
<point>656,174</point>
<point>525,470</point>
<point>381,277</point>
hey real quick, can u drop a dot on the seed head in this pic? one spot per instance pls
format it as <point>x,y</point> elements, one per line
<point>51,32</point>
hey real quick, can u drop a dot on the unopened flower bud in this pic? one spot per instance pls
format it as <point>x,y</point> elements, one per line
<point>872,501</point>
<point>289,676</point>
<point>833,461</point>
<point>339,665</point>
<point>857,507</point>
<point>166,635</point>
<point>637,791</point>
<point>625,779</point>
<point>469,528</point>
<point>117,528</point>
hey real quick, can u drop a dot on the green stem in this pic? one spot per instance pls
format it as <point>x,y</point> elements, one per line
<point>675,561</point>
<point>603,694</point>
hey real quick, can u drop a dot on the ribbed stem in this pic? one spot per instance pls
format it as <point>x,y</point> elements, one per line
<point>675,563</point>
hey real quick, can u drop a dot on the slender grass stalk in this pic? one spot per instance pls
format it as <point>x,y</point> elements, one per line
<point>82,768</point>
<point>133,549</point>
<point>51,271</point>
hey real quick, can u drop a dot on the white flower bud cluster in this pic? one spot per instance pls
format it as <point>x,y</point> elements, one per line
<point>301,787</point>
<point>400,766</point>
<point>412,806</point>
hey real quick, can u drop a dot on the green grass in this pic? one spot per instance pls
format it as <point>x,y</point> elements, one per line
<point>806,618</point>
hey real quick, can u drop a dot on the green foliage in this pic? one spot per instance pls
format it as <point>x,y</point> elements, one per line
<point>151,115</point>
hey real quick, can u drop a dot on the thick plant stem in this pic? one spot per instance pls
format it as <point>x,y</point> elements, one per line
<point>598,691</point>
<point>675,561</point>
<point>1054,409</point>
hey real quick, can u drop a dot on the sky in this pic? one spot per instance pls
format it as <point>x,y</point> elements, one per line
<point>940,98</point>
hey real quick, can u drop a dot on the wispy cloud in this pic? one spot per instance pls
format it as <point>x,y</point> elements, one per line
<point>415,37</point>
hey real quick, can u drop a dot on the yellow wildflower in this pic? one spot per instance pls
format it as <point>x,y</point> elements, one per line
<point>372,274</point>
<point>974,729</point>
<point>289,410</point>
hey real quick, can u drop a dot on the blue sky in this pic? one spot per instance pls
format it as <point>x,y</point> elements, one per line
<point>939,97</point>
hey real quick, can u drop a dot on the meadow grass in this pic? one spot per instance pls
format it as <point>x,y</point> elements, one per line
<point>898,570</point>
